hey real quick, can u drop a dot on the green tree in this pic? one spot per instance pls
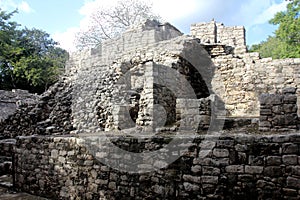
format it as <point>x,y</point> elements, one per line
<point>29,58</point>
<point>8,51</point>
<point>41,62</point>
<point>289,24</point>
<point>286,42</point>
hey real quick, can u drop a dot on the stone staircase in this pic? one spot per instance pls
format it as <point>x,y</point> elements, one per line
<point>6,162</point>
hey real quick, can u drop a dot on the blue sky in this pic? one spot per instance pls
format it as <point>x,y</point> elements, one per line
<point>62,18</point>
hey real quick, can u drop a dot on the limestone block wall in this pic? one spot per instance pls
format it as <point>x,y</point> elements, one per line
<point>100,80</point>
<point>206,32</point>
<point>234,36</point>
<point>138,37</point>
<point>238,167</point>
<point>196,112</point>
<point>94,73</point>
<point>248,76</point>
<point>244,75</point>
<point>216,33</point>
<point>278,112</point>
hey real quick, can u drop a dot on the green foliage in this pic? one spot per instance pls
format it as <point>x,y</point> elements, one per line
<point>29,58</point>
<point>289,23</point>
<point>275,48</point>
<point>286,42</point>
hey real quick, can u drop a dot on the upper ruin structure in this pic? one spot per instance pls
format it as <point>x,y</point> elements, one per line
<point>154,64</point>
<point>154,70</point>
<point>151,80</point>
<point>212,33</point>
<point>229,72</point>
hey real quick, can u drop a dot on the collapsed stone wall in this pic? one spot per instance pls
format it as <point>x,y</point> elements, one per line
<point>137,66</point>
<point>248,76</point>
<point>89,100</point>
<point>239,78</point>
<point>244,75</point>
<point>50,114</point>
<point>238,167</point>
<point>64,109</point>
<point>11,100</point>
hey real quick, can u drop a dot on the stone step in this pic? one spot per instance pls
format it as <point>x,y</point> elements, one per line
<point>6,181</point>
<point>11,194</point>
<point>6,147</point>
<point>5,158</point>
<point>5,167</point>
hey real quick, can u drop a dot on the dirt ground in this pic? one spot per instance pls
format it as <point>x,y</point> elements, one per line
<point>7,194</point>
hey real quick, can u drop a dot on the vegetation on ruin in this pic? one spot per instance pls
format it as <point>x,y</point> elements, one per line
<point>107,23</point>
<point>286,41</point>
<point>29,58</point>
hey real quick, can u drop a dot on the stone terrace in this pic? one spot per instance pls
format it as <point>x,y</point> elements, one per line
<point>62,144</point>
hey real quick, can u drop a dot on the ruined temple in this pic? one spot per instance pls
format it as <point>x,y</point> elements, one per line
<point>104,130</point>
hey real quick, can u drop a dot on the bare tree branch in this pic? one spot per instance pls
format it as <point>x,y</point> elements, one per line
<point>108,23</point>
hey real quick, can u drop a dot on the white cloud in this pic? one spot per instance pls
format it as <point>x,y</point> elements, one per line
<point>24,6</point>
<point>256,12</point>
<point>249,10</point>
<point>231,12</point>
<point>254,15</point>
<point>170,10</point>
<point>269,13</point>
<point>9,5</point>
<point>66,39</point>
<point>90,6</point>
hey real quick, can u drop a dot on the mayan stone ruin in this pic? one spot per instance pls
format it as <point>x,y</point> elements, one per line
<point>156,114</point>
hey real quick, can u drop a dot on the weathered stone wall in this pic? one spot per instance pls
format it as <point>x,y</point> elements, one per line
<point>195,110</point>
<point>6,155</point>
<point>89,98</point>
<point>278,112</point>
<point>109,51</point>
<point>234,36</point>
<point>138,63</point>
<point>239,78</point>
<point>146,64</point>
<point>216,33</point>
<point>238,167</point>
<point>11,100</point>
<point>50,114</point>
<point>95,75</point>
<point>244,75</point>
<point>206,32</point>
<point>248,76</point>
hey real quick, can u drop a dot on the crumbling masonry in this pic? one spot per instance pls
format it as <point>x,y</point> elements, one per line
<point>156,82</point>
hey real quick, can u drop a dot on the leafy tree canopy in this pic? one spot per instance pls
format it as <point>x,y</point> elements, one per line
<point>286,41</point>
<point>29,58</point>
